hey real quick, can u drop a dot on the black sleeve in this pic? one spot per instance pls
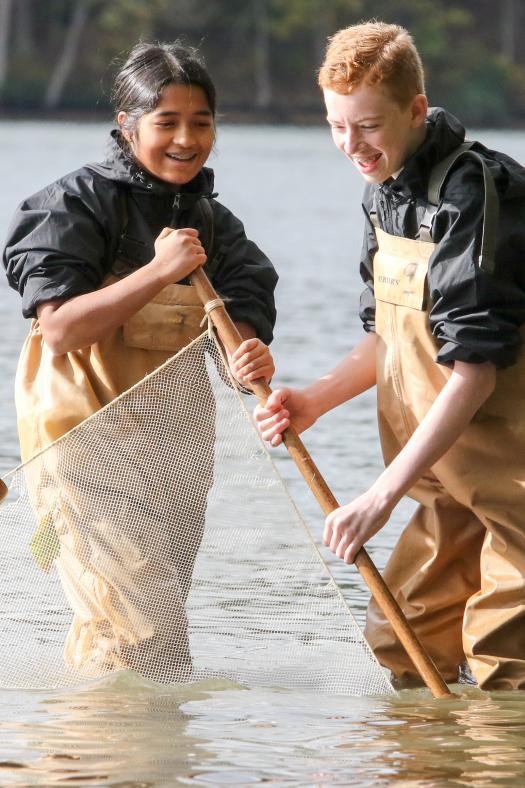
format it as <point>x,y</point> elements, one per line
<point>243,277</point>
<point>56,247</point>
<point>475,315</point>
<point>367,305</point>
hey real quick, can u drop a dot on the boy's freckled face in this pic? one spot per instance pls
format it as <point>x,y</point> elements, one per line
<point>375,132</point>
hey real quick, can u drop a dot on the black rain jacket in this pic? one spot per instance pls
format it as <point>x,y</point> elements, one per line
<point>63,240</point>
<point>475,316</point>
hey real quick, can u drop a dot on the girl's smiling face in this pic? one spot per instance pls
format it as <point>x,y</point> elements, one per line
<point>373,130</point>
<point>174,140</point>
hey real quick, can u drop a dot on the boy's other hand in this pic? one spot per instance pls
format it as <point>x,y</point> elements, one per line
<point>283,407</point>
<point>349,527</point>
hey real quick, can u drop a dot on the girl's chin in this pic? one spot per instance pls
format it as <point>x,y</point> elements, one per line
<point>176,179</point>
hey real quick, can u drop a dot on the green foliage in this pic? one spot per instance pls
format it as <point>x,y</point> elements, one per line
<point>485,88</point>
<point>458,40</point>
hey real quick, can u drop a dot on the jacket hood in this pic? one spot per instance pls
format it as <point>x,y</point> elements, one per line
<point>119,166</point>
<point>444,134</point>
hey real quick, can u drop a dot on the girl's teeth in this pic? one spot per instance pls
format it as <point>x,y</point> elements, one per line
<point>180,158</point>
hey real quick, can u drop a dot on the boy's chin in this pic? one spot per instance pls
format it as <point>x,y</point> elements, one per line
<point>379,177</point>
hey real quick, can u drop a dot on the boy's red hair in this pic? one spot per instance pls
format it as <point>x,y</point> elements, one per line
<point>377,53</point>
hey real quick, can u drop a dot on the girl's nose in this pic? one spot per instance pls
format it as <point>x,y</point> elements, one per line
<point>183,136</point>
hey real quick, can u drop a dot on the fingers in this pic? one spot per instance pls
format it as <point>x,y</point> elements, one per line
<point>189,239</point>
<point>178,253</point>
<point>273,419</point>
<point>189,231</point>
<point>252,360</point>
<point>349,527</point>
<point>187,236</point>
<point>246,347</point>
<point>273,409</point>
<point>164,233</point>
<point>271,429</point>
<point>342,537</point>
<point>251,351</point>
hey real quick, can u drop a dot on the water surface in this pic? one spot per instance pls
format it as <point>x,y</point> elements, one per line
<point>299,200</point>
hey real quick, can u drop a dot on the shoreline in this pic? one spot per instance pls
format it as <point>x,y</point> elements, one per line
<point>233,116</point>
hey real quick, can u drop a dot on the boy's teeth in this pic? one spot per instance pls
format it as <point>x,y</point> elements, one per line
<point>367,161</point>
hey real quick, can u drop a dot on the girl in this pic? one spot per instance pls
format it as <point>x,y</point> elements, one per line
<point>103,273</point>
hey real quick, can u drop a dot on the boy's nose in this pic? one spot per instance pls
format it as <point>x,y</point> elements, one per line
<point>351,141</point>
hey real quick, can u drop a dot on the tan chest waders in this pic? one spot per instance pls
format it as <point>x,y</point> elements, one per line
<point>124,591</point>
<point>166,541</point>
<point>458,570</point>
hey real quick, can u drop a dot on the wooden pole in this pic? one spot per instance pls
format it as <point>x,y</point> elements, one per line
<point>3,490</point>
<point>231,338</point>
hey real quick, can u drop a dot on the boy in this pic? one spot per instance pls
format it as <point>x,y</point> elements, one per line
<point>443,308</point>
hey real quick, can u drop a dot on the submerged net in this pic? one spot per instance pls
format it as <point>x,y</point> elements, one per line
<point>157,536</point>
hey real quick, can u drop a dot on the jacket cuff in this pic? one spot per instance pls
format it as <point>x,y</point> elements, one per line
<point>261,325</point>
<point>451,352</point>
<point>39,290</point>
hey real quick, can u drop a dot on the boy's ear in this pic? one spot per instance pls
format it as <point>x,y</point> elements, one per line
<point>419,109</point>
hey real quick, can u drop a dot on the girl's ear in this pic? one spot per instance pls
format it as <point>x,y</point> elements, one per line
<point>121,119</point>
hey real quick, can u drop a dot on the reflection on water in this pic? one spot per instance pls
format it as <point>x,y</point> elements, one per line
<point>126,732</point>
<point>120,729</point>
<point>301,203</point>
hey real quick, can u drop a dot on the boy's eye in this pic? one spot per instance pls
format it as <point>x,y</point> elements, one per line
<point>370,127</point>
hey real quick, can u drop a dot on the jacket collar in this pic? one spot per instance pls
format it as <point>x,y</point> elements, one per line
<point>120,166</point>
<point>444,134</point>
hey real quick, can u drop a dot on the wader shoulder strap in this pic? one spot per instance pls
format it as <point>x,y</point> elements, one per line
<point>491,208</point>
<point>203,218</point>
<point>373,211</point>
<point>123,211</point>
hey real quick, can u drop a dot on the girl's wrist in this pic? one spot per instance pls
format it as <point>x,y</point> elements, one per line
<point>158,273</point>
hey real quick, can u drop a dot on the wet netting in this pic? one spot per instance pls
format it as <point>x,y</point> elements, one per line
<point>157,536</point>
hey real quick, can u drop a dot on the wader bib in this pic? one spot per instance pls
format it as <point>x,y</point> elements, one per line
<point>458,569</point>
<point>126,600</point>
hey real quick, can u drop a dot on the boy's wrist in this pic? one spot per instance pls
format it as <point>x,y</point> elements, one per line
<point>316,399</point>
<point>387,491</point>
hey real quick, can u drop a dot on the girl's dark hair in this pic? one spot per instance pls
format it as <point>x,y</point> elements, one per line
<point>148,69</point>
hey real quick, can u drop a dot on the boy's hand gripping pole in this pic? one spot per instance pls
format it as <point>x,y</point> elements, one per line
<point>231,339</point>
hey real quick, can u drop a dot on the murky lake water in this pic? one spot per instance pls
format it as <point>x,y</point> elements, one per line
<point>301,203</point>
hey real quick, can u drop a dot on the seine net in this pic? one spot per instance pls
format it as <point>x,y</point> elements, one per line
<point>157,536</point>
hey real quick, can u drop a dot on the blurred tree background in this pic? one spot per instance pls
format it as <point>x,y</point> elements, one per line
<point>60,55</point>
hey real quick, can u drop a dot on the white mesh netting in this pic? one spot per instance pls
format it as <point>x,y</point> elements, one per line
<point>158,536</point>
